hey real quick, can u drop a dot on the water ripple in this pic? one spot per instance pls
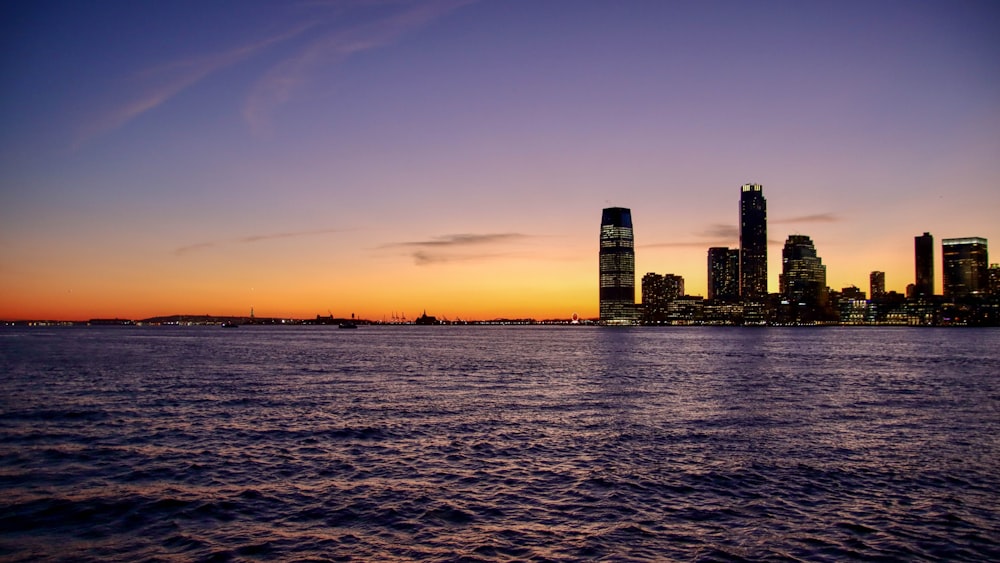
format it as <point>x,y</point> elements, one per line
<point>499,444</point>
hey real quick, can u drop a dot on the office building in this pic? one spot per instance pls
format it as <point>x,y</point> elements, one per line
<point>617,267</point>
<point>658,291</point>
<point>994,280</point>
<point>803,275</point>
<point>753,242</point>
<point>877,285</point>
<point>723,273</point>
<point>923,258</point>
<point>965,267</point>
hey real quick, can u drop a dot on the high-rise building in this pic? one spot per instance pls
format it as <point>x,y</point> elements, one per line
<point>877,285</point>
<point>923,258</point>
<point>617,267</point>
<point>654,307</point>
<point>723,273</point>
<point>753,242</point>
<point>803,275</point>
<point>994,277</point>
<point>965,267</point>
<point>657,293</point>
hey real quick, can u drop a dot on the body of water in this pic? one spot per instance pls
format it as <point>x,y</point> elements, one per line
<point>499,443</point>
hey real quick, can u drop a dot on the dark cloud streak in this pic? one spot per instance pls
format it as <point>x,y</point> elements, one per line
<point>449,248</point>
<point>722,234</point>
<point>180,251</point>
<point>814,218</point>
<point>464,239</point>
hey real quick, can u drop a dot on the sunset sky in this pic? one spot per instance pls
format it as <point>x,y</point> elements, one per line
<point>380,157</point>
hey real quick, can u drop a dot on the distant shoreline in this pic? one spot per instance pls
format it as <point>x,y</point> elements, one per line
<point>124,323</point>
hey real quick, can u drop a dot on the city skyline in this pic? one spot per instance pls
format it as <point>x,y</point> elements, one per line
<point>380,157</point>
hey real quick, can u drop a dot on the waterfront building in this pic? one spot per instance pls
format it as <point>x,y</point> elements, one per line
<point>723,273</point>
<point>686,309</point>
<point>852,292</point>
<point>854,311</point>
<point>803,275</point>
<point>654,307</point>
<point>923,259</point>
<point>964,262</point>
<point>617,267</point>
<point>658,291</point>
<point>722,313</point>
<point>877,285</point>
<point>673,286</point>
<point>753,242</point>
<point>994,279</point>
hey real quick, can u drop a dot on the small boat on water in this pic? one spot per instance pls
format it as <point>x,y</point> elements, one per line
<point>230,324</point>
<point>349,324</point>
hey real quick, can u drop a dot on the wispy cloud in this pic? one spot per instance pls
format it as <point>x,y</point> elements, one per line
<point>717,234</point>
<point>722,234</point>
<point>458,248</point>
<point>188,249</point>
<point>155,86</point>
<point>460,240</point>
<point>722,231</point>
<point>424,258</point>
<point>180,251</point>
<point>705,244</point>
<point>815,218</point>
<point>277,86</point>
<point>160,84</point>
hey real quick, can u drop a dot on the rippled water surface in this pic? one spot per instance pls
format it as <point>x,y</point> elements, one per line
<point>496,443</point>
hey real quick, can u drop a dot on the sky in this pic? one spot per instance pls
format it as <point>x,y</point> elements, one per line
<point>387,157</point>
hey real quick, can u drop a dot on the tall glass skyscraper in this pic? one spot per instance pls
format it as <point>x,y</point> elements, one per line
<point>753,242</point>
<point>803,275</point>
<point>877,284</point>
<point>966,265</point>
<point>723,273</point>
<point>617,267</point>
<point>923,258</point>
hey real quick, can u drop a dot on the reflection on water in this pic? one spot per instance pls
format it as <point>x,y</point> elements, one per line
<point>489,443</point>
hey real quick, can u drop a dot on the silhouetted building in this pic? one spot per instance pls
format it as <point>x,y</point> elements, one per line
<point>965,271</point>
<point>753,242</point>
<point>657,294</point>
<point>685,309</point>
<point>617,267</point>
<point>803,275</point>
<point>852,292</point>
<point>851,305</point>
<point>877,285</point>
<point>994,277</point>
<point>426,319</point>
<point>923,258</point>
<point>723,273</point>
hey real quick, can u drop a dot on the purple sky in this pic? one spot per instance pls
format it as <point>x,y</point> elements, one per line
<point>395,155</point>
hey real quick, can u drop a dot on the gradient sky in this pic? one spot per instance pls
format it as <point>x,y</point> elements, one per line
<point>380,157</point>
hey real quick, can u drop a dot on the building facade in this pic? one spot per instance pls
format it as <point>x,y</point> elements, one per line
<point>723,273</point>
<point>753,242</point>
<point>923,259</point>
<point>876,282</point>
<point>994,277</point>
<point>617,267</point>
<point>658,291</point>
<point>803,275</point>
<point>965,264</point>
